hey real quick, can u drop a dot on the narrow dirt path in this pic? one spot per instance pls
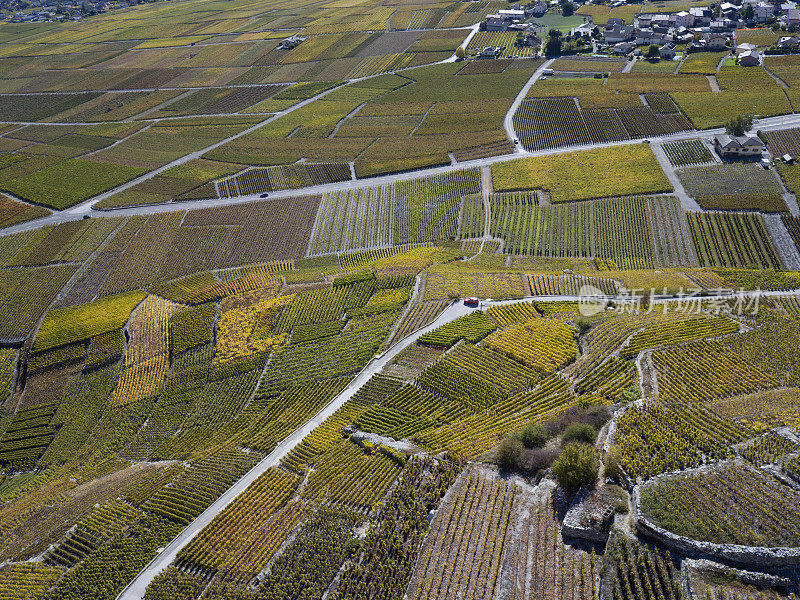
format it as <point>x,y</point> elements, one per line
<point>687,202</point>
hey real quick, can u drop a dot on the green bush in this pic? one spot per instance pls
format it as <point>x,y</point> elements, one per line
<point>533,435</point>
<point>508,453</point>
<point>611,468</point>
<point>580,432</point>
<point>577,465</point>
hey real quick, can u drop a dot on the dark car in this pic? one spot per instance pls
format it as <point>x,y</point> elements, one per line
<point>264,195</point>
<point>471,302</point>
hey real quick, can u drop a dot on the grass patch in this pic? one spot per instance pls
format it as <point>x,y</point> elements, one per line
<point>598,173</point>
<point>69,182</point>
<point>73,324</point>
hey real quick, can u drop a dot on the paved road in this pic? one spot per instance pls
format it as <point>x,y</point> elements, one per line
<point>86,208</point>
<point>136,588</point>
<point>687,202</point>
<point>508,122</point>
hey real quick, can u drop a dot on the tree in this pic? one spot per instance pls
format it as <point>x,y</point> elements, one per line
<point>460,53</point>
<point>552,46</point>
<point>652,51</point>
<point>567,8</point>
<point>577,465</point>
<point>739,125</point>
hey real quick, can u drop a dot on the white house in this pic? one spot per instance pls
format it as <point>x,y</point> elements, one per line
<point>750,59</point>
<point>731,146</point>
<point>667,51</point>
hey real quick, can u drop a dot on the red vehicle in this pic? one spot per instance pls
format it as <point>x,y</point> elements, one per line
<point>471,302</point>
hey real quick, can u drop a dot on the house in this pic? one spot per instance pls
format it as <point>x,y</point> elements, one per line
<point>728,9</point>
<point>291,42</point>
<point>624,47</point>
<point>645,36</point>
<point>792,17</point>
<point>764,11</point>
<point>729,146</point>
<point>491,52</point>
<point>788,42</point>
<point>715,41</point>
<point>684,19</point>
<point>617,33</point>
<point>750,58</point>
<point>498,23</point>
<point>528,39</point>
<point>742,48</point>
<point>667,51</point>
<point>512,14</point>
<point>537,10</point>
<point>701,15</point>
<point>583,29</point>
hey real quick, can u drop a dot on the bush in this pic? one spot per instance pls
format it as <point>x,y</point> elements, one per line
<point>595,415</point>
<point>611,462</point>
<point>537,459</point>
<point>533,435</point>
<point>577,465</point>
<point>508,453</point>
<point>580,432</point>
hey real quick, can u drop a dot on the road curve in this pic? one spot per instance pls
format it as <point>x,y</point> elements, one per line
<point>85,209</point>
<point>136,588</point>
<point>508,121</point>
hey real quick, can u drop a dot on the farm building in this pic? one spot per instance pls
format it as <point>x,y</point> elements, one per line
<point>291,42</point>
<point>491,52</point>
<point>750,59</point>
<point>729,146</point>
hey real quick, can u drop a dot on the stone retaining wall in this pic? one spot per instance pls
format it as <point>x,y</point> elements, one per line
<point>755,556</point>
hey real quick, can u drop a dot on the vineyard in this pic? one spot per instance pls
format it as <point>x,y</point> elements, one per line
<point>232,367</point>
<point>557,122</point>
<point>414,211</point>
<point>462,552</point>
<point>732,240</point>
<point>730,504</point>
<point>619,230</point>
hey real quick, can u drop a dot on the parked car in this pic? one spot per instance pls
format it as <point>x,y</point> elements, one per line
<point>471,302</point>
<point>264,195</point>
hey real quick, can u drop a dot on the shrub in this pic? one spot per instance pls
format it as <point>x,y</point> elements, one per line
<point>611,469</point>
<point>533,435</point>
<point>508,453</point>
<point>580,432</point>
<point>595,415</point>
<point>577,465</point>
<point>537,459</point>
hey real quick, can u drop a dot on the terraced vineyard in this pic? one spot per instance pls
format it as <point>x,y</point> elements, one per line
<point>225,229</point>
